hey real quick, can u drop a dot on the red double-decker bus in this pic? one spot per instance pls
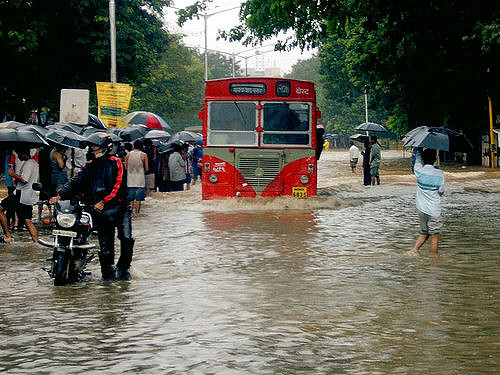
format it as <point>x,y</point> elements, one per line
<point>259,138</point>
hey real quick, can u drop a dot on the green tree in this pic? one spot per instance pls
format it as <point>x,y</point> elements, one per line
<point>425,61</point>
<point>52,44</point>
<point>173,87</point>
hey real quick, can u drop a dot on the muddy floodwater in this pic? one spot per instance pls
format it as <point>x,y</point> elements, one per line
<point>275,286</point>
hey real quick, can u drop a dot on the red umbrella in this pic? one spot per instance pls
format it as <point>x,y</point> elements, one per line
<point>148,119</point>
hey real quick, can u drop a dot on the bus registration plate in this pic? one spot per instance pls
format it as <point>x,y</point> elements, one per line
<point>299,192</point>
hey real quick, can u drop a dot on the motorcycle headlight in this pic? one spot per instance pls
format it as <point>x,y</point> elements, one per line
<point>66,220</point>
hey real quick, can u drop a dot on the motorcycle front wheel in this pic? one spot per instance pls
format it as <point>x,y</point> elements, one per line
<point>61,270</point>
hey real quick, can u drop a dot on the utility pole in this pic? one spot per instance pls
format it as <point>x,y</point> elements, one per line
<point>493,146</point>
<point>366,107</point>
<point>112,35</point>
<point>366,103</point>
<point>205,18</point>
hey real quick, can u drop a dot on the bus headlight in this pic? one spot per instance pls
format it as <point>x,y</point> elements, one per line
<point>213,178</point>
<point>304,179</point>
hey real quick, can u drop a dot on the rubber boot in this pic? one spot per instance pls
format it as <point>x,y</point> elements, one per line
<point>108,270</point>
<point>123,265</point>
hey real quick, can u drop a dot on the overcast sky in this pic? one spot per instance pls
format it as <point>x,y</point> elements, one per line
<point>194,35</point>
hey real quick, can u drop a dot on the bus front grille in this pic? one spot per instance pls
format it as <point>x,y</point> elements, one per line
<point>259,170</point>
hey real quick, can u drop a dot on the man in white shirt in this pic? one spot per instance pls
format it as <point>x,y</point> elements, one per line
<point>353,156</point>
<point>430,188</point>
<point>23,198</point>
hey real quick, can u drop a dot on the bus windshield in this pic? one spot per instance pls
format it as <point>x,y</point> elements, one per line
<point>232,123</point>
<point>287,123</point>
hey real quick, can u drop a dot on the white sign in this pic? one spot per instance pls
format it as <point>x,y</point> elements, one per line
<point>74,106</point>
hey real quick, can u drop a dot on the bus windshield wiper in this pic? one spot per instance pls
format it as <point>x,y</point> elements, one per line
<point>241,115</point>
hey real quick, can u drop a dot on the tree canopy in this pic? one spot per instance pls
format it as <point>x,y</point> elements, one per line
<point>425,61</point>
<point>52,44</point>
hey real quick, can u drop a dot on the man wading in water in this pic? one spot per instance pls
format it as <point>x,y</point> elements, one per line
<point>102,185</point>
<point>430,188</point>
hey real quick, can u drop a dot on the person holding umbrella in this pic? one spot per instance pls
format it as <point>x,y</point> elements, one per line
<point>374,160</point>
<point>22,199</point>
<point>430,188</point>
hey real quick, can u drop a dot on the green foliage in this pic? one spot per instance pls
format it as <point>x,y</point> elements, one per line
<point>424,61</point>
<point>52,44</point>
<point>174,85</point>
<point>398,121</point>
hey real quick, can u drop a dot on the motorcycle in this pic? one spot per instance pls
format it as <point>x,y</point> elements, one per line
<point>71,249</point>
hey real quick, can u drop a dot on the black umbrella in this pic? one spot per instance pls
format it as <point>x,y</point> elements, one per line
<point>66,138</point>
<point>438,138</point>
<point>40,130</point>
<point>11,125</point>
<point>371,127</point>
<point>96,122</point>
<point>88,130</point>
<point>186,136</point>
<point>132,133</point>
<point>359,137</point>
<point>66,126</point>
<point>12,138</point>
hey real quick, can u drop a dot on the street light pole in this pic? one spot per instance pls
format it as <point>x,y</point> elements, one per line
<point>205,18</point>
<point>366,103</point>
<point>366,107</point>
<point>112,35</point>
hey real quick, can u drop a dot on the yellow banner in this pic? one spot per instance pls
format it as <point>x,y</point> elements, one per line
<point>113,100</point>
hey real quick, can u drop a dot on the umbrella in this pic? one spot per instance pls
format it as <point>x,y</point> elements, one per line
<point>148,119</point>
<point>88,130</point>
<point>371,127</point>
<point>12,138</point>
<point>66,138</point>
<point>438,138</point>
<point>11,125</point>
<point>131,133</point>
<point>66,126</point>
<point>157,134</point>
<point>186,136</point>
<point>96,122</point>
<point>170,146</point>
<point>40,130</point>
<point>165,147</point>
<point>359,137</point>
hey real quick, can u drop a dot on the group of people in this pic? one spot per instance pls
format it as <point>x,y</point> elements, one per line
<point>107,182</point>
<point>371,160</point>
<point>149,170</point>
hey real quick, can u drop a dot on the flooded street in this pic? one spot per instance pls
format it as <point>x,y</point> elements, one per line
<point>317,286</point>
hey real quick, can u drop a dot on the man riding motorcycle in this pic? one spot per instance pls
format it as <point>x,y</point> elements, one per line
<point>102,185</point>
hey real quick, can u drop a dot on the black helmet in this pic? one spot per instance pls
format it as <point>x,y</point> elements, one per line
<point>101,139</point>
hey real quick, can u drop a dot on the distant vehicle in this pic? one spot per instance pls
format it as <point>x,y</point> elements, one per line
<point>259,138</point>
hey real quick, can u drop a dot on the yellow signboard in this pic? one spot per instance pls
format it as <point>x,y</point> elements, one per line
<point>299,192</point>
<point>113,100</point>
